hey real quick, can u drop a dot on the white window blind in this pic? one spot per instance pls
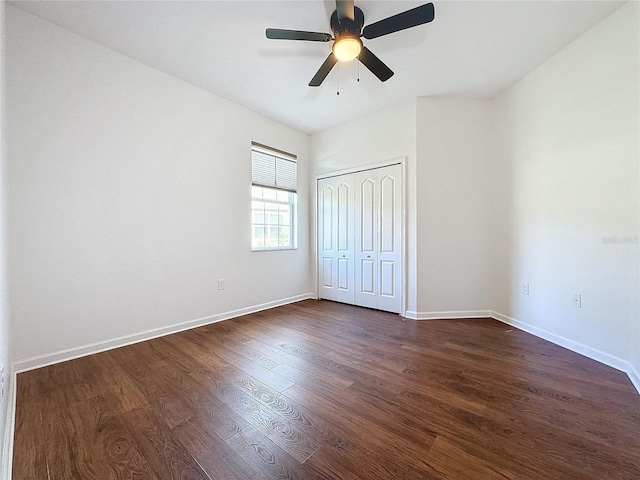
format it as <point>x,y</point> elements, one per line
<point>271,168</point>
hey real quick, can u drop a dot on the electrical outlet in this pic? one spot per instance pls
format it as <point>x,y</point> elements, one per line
<point>577,300</point>
<point>525,289</point>
<point>221,284</point>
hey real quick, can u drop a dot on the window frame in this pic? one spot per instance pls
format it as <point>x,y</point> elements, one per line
<point>261,185</point>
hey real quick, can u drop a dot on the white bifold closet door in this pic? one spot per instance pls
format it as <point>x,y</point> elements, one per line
<point>360,238</point>
<point>335,238</point>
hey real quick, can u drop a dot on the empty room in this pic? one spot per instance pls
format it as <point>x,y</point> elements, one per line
<point>320,239</point>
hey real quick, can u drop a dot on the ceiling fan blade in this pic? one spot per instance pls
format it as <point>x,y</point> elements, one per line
<point>373,63</point>
<point>411,18</point>
<point>345,9</point>
<point>279,34</point>
<point>323,71</point>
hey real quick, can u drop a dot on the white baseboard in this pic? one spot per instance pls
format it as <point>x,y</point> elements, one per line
<point>634,376</point>
<point>577,347</point>
<point>592,353</point>
<point>89,349</point>
<point>447,315</point>
<point>9,429</point>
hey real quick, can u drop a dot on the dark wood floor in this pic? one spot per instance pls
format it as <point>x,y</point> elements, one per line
<point>318,390</point>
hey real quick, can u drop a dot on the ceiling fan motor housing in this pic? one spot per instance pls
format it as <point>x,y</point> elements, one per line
<point>346,26</point>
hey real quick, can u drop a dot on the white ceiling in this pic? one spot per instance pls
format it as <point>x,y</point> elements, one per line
<point>471,49</point>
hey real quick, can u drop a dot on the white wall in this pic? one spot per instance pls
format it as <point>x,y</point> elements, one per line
<point>381,136</point>
<point>5,411</point>
<point>569,185</point>
<point>455,151</point>
<point>129,196</point>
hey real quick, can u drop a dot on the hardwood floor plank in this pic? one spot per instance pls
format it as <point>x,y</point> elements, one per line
<point>170,350</point>
<point>341,343</point>
<point>340,466</point>
<point>339,368</point>
<point>201,398</point>
<point>266,360</point>
<point>166,456</point>
<point>471,428</point>
<point>113,449</point>
<point>319,390</point>
<point>303,419</point>
<point>561,447</point>
<point>119,386</point>
<point>212,453</point>
<point>297,369</point>
<point>260,346</point>
<point>454,462</point>
<point>525,378</point>
<point>30,464</point>
<point>369,426</point>
<point>223,420</point>
<point>169,402</point>
<point>198,348</point>
<point>254,369</point>
<point>267,457</point>
<point>518,395</point>
<point>28,425</point>
<point>311,376</point>
<point>64,444</point>
<point>297,444</point>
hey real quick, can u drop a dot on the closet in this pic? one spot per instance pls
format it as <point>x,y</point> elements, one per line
<point>360,238</point>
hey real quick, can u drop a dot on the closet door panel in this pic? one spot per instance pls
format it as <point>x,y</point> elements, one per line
<point>388,209</point>
<point>344,239</point>
<point>367,206</point>
<point>326,239</point>
<point>344,274</point>
<point>390,236</point>
<point>366,236</point>
<point>327,274</point>
<point>367,275</point>
<point>335,238</point>
<point>387,279</point>
<point>345,217</point>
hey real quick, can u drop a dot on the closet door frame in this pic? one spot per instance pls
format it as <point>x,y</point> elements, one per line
<point>402,162</point>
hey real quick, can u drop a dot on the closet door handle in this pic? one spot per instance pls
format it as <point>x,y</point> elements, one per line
<point>368,256</point>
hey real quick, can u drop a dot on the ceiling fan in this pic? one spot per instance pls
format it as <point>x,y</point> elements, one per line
<point>346,23</point>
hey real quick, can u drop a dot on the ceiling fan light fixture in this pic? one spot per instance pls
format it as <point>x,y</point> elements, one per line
<point>347,47</point>
<point>347,23</point>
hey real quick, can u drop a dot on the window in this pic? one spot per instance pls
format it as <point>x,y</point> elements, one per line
<point>273,199</point>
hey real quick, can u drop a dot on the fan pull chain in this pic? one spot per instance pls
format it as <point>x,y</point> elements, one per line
<point>358,71</point>
<point>338,87</point>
